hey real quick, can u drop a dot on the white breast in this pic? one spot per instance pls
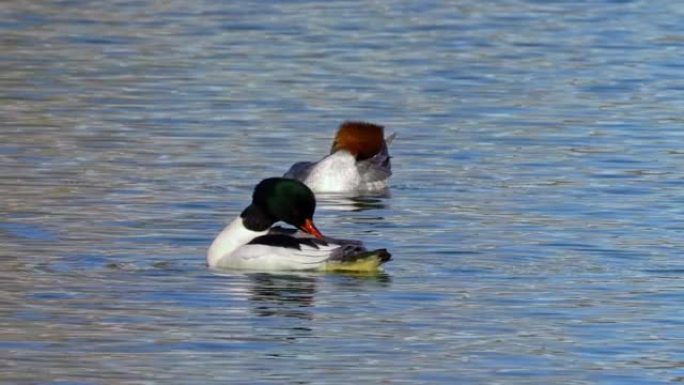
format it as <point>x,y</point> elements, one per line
<point>334,173</point>
<point>230,239</point>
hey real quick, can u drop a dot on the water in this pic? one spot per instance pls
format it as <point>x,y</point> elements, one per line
<point>535,214</point>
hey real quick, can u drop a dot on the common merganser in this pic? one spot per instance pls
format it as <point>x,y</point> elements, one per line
<point>358,162</point>
<point>252,242</point>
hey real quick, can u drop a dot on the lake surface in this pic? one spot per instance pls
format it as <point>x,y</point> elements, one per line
<point>536,214</point>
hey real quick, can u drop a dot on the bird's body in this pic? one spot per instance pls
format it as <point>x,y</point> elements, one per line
<point>251,241</point>
<point>359,161</point>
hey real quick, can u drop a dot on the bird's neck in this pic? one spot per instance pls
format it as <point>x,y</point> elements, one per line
<point>230,239</point>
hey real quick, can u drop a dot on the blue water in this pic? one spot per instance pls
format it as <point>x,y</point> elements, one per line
<point>535,215</point>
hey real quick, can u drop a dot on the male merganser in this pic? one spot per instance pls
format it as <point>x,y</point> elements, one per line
<point>358,162</point>
<point>251,242</point>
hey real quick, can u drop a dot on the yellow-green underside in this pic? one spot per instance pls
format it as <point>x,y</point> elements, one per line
<point>366,265</point>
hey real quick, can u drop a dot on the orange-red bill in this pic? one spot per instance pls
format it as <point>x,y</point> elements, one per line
<point>310,228</point>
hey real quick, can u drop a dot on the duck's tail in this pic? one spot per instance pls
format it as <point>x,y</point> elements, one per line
<point>368,261</point>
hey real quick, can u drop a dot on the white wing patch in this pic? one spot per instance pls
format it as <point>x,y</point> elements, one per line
<point>264,257</point>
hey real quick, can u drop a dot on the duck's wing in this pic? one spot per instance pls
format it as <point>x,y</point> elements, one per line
<point>282,252</point>
<point>344,250</point>
<point>288,241</point>
<point>302,235</point>
<point>285,230</point>
<point>290,249</point>
<point>300,170</point>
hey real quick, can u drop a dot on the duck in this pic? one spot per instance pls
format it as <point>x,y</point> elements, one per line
<point>253,242</point>
<point>358,162</point>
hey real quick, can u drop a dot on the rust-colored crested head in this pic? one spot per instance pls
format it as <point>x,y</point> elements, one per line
<point>361,139</point>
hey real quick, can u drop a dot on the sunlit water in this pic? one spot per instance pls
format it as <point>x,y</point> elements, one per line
<point>536,212</point>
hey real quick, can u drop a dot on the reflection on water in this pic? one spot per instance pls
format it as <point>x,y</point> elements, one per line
<point>282,295</point>
<point>534,216</point>
<point>292,294</point>
<point>342,202</point>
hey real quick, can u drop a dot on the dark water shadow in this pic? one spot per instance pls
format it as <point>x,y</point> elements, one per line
<point>293,294</point>
<point>347,202</point>
<point>285,295</point>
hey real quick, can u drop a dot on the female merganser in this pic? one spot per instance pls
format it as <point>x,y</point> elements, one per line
<point>358,162</point>
<point>250,241</point>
